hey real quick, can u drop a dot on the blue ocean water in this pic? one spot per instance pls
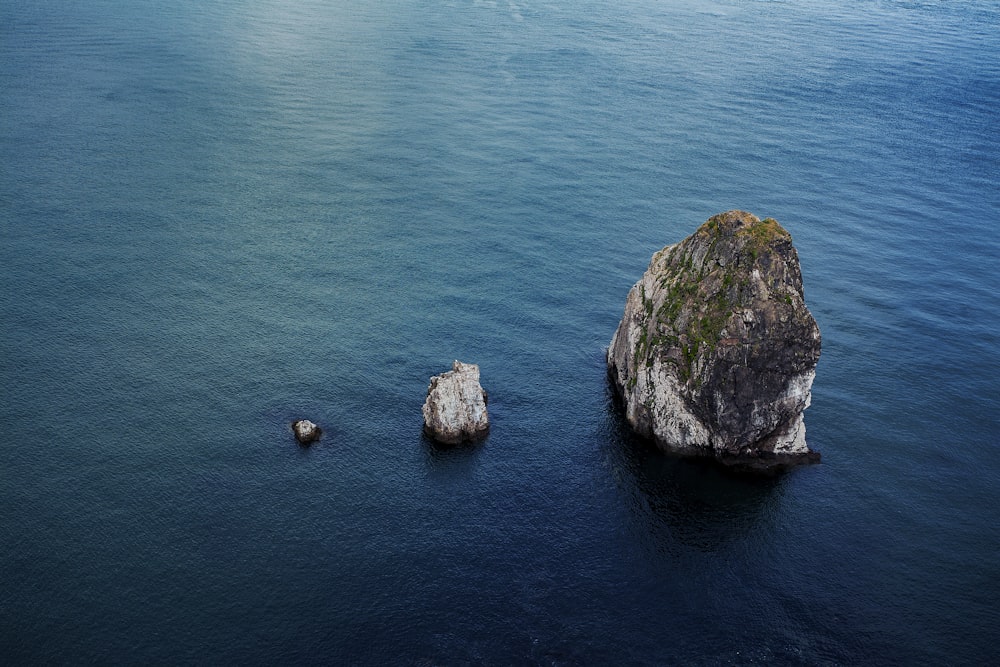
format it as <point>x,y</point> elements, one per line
<point>216,217</point>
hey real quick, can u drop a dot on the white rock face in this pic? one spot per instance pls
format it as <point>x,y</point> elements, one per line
<point>305,431</point>
<point>455,409</point>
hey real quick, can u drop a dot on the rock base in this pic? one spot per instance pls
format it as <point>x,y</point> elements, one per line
<point>768,463</point>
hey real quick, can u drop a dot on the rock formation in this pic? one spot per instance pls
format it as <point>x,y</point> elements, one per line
<point>716,352</point>
<point>455,409</point>
<point>305,431</point>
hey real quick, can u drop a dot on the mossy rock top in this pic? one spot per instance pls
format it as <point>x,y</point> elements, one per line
<point>734,267</point>
<point>746,225</point>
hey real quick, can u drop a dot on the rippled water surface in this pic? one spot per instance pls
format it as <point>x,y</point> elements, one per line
<point>216,217</point>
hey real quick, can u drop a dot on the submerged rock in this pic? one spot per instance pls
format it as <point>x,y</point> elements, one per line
<point>305,431</point>
<point>716,352</point>
<point>455,409</point>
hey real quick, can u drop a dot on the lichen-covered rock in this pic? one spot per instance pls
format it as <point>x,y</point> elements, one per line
<point>716,352</point>
<point>305,431</point>
<point>455,409</point>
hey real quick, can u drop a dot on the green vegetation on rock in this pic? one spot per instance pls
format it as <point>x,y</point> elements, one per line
<point>716,344</point>
<point>701,296</point>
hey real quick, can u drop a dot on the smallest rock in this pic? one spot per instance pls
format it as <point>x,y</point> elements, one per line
<point>305,431</point>
<point>455,409</point>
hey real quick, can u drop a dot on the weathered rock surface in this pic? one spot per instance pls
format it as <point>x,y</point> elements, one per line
<point>455,409</point>
<point>306,432</point>
<point>716,352</point>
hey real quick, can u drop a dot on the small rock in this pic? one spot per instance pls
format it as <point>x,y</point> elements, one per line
<point>306,432</point>
<point>455,409</point>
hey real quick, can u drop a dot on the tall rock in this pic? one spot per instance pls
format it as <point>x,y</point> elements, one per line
<point>716,352</point>
<point>455,408</point>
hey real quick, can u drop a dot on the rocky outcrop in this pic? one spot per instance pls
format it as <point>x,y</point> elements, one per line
<point>455,409</point>
<point>306,432</point>
<point>716,352</point>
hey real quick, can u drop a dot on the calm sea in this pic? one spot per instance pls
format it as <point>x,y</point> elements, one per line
<point>219,216</point>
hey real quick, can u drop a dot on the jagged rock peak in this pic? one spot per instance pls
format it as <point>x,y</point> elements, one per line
<point>716,351</point>
<point>455,408</point>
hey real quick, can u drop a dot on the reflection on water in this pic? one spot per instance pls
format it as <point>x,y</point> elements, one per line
<point>682,501</point>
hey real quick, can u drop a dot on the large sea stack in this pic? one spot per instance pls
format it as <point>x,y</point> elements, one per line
<point>716,352</point>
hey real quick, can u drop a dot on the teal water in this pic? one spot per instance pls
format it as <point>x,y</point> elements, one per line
<point>218,217</point>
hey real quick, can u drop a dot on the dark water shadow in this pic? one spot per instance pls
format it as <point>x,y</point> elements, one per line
<point>450,461</point>
<point>685,501</point>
